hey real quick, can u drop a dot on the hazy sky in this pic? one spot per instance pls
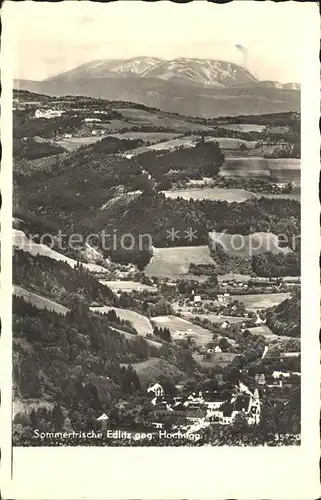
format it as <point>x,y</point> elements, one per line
<point>51,38</point>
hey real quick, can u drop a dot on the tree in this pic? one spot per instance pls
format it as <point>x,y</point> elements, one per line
<point>33,418</point>
<point>168,386</point>
<point>240,423</point>
<point>224,344</point>
<point>58,417</point>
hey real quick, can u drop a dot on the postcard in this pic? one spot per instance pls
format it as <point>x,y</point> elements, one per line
<point>160,250</point>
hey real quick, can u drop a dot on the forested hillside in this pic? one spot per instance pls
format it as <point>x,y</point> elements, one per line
<point>285,319</point>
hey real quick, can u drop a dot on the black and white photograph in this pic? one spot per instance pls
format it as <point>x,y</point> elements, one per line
<point>157,202</point>
<point>156,240</point>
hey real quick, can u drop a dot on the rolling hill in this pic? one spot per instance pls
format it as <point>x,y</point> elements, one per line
<point>193,87</point>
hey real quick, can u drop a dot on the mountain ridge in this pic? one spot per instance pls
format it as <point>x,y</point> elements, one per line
<point>188,86</point>
<point>202,71</point>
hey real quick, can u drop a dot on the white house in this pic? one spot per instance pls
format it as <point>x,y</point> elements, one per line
<point>225,324</point>
<point>278,374</point>
<point>157,389</point>
<point>91,120</point>
<point>47,113</point>
<point>197,298</point>
<point>213,405</point>
<point>158,425</point>
<point>102,418</point>
<point>259,321</point>
<point>218,349</point>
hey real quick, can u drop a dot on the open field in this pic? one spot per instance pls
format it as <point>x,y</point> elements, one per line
<point>165,145</point>
<point>176,260</point>
<point>231,276</point>
<point>246,246</point>
<point>115,126</point>
<point>159,119</point>
<point>243,127</point>
<point>226,143</point>
<point>214,318</point>
<point>151,137</point>
<point>132,336</point>
<point>139,322</point>
<point>214,193</point>
<point>220,359</point>
<point>265,332</point>
<point>127,286</point>
<point>181,329</point>
<point>39,301</point>
<point>154,368</point>
<point>261,301</point>
<point>74,143</point>
<point>271,169</point>
<point>21,241</point>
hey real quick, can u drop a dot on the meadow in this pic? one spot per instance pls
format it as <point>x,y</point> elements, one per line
<point>153,369</point>
<point>281,170</point>
<point>175,261</point>
<point>158,119</point>
<point>139,322</point>
<point>246,246</point>
<point>151,137</point>
<point>226,143</point>
<point>265,332</point>
<point>214,318</point>
<point>73,143</point>
<point>21,241</point>
<point>244,127</point>
<point>181,329</point>
<point>38,301</point>
<point>261,301</point>
<point>127,286</point>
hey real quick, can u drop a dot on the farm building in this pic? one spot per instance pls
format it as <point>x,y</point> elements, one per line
<point>47,113</point>
<point>92,120</point>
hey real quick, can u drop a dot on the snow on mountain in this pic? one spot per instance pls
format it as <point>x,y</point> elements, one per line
<point>197,71</point>
<point>201,71</point>
<point>136,66</point>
